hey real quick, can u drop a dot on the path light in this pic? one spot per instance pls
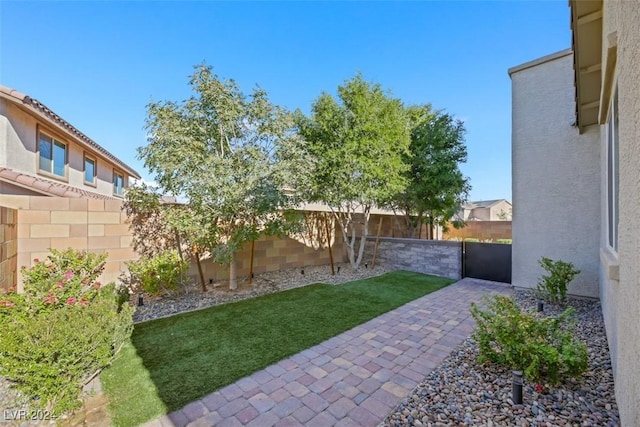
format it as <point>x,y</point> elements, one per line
<point>516,392</point>
<point>140,301</point>
<point>302,271</point>
<point>366,265</point>
<point>338,269</point>
<point>540,306</point>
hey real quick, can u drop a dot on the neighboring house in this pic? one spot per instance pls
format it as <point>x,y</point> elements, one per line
<point>486,210</point>
<point>42,154</point>
<point>576,163</point>
<point>58,189</point>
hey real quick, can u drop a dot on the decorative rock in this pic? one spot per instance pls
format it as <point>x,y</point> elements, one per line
<point>475,394</point>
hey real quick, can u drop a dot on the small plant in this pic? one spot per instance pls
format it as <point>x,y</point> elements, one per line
<point>62,330</point>
<point>553,287</point>
<point>158,274</point>
<point>540,347</point>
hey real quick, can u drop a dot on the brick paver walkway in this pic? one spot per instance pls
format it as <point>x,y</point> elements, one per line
<point>353,379</point>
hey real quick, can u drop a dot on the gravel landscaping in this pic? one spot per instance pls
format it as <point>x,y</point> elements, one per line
<point>461,392</point>
<point>192,297</point>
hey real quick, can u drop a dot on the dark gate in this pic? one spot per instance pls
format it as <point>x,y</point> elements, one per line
<point>488,261</point>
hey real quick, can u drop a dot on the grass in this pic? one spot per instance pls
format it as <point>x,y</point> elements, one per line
<point>173,361</point>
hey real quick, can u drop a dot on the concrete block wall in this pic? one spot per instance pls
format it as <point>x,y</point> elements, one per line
<point>59,223</point>
<point>272,254</point>
<point>8,248</point>
<point>482,230</point>
<point>437,257</point>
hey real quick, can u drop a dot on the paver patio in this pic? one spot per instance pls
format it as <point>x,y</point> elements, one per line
<point>353,379</point>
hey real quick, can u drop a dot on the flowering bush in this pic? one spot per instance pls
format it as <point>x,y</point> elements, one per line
<point>64,328</point>
<point>158,274</point>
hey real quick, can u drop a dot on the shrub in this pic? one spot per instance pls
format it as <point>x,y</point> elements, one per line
<point>553,288</point>
<point>62,330</point>
<point>542,347</point>
<point>158,274</point>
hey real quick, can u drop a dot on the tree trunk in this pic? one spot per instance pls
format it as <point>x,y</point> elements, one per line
<point>204,285</point>
<point>365,234</point>
<point>233,282</point>
<point>326,223</point>
<point>350,242</point>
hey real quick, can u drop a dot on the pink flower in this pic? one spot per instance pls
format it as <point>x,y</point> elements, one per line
<point>80,255</point>
<point>36,260</point>
<point>68,275</point>
<point>50,300</point>
<point>84,302</point>
<point>11,290</point>
<point>71,301</point>
<point>97,285</point>
<point>539,388</point>
<point>60,284</point>
<point>7,304</point>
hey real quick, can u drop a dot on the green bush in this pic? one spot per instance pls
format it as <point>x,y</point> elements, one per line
<point>158,274</point>
<point>542,347</point>
<point>62,330</point>
<point>553,287</point>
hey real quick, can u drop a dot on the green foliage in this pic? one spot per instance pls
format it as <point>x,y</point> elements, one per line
<point>505,241</point>
<point>541,347</point>
<point>149,220</point>
<point>64,328</point>
<point>357,142</point>
<point>231,156</point>
<point>553,287</point>
<point>436,187</point>
<point>160,273</point>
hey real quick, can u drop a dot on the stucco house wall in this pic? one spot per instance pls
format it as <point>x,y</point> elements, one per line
<point>621,298</point>
<point>556,176</point>
<point>20,122</point>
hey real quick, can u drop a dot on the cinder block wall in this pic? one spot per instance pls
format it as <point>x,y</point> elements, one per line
<point>59,223</point>
<point>272,254</point>
<point>482,230</point>
<point>8,248</point>
<point>438,257</point>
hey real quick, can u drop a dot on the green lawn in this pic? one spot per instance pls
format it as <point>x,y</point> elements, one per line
<point>171,362</point>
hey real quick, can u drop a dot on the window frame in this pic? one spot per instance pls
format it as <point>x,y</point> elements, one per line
<point>93,159</point>
<point>55,140</point>
<point>612,185</point>
<point>117,173</point>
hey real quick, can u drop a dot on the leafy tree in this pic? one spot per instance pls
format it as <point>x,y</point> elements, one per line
<point>231,156</point>
<point>436,187</point>
<point>358,142</point>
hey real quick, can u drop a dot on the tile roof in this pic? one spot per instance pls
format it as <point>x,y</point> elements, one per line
<point>47,187</point>
<point>20,98</point>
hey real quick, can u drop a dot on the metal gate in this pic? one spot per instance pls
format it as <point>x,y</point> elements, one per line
<point>488,261</point>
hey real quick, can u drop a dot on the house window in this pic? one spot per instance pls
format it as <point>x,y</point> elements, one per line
<point>118,183</point>
<point>89,170</point>
<point>613,180</point>
<point>52,155</point>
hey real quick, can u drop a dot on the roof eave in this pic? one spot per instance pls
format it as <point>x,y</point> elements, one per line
<point>586,28</point>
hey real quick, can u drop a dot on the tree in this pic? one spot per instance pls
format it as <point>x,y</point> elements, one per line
<point>436,187</point>
<point>358,142</point>
<point>231,156</point>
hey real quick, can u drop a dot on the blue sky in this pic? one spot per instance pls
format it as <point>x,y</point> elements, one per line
<point>98,64</point>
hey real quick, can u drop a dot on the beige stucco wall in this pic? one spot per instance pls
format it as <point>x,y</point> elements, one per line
<point>502,207</point>
<point>556,176</point>
<point>621,299</point>
<point>18,133</point>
